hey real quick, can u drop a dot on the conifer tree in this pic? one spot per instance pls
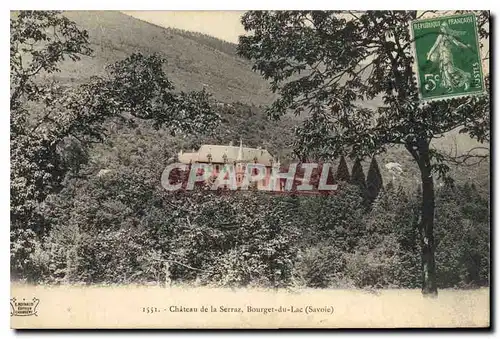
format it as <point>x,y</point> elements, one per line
<point>358,176</point>
<point>342,171</point>
<point>373,180</point>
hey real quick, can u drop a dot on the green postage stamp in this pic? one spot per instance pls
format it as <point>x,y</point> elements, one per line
<point>447,56</point>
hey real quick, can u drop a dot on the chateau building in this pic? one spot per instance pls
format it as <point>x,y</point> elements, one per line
<point>219,156</point>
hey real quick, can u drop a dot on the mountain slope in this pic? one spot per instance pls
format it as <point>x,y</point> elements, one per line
<point>194,61</point>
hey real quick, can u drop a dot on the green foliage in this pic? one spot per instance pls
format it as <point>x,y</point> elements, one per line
<point>265,247</point>
<point>36,166</point>
<point>342,171</point>
<point>321,265</point>
<point>358,176</point>
<point>39,41</point>
<point>219,239</point>
<point>392,235</point>
<point>463,229</point>
<point>139,86</point>
<point>373,181</point>
<point>45,116</point>
<point>375,267</point>
<point>118,229</point>
<point>336,217</point>
<point>23,244</point>
<point>332,226</point>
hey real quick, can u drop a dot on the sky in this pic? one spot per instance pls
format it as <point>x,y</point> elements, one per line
<point>224,25</point>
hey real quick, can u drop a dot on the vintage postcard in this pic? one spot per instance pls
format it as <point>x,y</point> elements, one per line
<point>249,169</point>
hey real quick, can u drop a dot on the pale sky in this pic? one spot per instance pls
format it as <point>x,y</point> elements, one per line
<point>224,25</point>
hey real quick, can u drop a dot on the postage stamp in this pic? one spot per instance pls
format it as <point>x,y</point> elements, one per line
<point>248,170</point>
<point>447,56</point>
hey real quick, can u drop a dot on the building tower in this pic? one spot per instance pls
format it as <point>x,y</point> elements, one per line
<point>240,166</point>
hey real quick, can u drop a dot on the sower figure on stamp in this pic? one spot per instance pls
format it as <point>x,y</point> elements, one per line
<point>441,52</point>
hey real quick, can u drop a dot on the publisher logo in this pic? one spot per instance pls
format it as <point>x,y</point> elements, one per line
<point>23,307</point>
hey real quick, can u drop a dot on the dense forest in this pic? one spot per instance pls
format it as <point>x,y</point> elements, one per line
<point>87,205</point>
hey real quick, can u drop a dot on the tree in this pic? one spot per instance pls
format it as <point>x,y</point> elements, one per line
<point>35,166</point>
<point>358,176</point>
<point>373,181</point>
<point>342,171</point>
<point>45,116</point>
<point>324,63</point>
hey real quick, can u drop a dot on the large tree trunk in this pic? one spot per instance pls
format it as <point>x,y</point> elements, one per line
<point>429,287</point>
<point>420,152</point>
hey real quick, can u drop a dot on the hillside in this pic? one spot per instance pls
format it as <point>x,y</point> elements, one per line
<point>194,61</point>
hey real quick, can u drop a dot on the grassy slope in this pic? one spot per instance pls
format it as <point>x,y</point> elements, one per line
<point>196,61</point>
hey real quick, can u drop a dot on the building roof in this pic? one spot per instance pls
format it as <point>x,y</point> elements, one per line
<point>227,154</point>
